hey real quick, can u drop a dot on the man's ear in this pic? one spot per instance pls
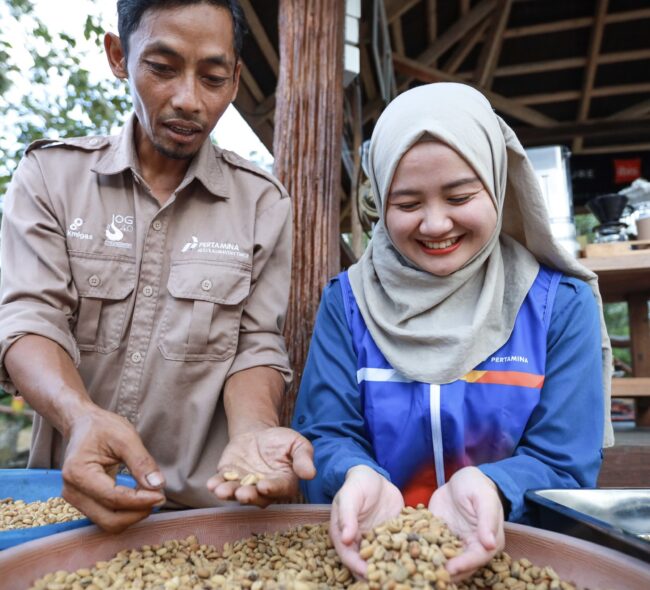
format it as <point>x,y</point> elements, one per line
<point>115,55</point>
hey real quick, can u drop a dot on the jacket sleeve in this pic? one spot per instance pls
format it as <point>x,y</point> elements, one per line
<point>329,409</point>
<point>261,342</point>
<point>561,446</point>
<point>38,295</point>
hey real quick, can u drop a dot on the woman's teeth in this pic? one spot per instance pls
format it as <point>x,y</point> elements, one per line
<point>441,245</point>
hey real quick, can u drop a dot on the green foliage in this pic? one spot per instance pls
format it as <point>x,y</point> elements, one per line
<point>618,324</point>
<point>585,224</point>
<point>57,97</point>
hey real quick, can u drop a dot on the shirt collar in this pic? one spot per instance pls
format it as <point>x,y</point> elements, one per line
<point>121,155</point>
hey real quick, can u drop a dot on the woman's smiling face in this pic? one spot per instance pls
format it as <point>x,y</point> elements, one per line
<point>438,212</point>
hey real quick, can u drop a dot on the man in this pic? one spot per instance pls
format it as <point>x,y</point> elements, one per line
<point>145,282</point>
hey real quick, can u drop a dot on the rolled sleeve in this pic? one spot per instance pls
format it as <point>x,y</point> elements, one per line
<point>261,342</point>
<point>37,294</point>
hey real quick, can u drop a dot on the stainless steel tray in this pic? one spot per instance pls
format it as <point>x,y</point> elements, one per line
<point>618,518</point>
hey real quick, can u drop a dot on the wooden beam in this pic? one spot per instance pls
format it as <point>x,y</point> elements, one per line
<point>639,88</point>
<point>246,104</point>
<point>541,66</point>
<point>570,63</point>
<point>566,95</point>
<point>489,57</point>
<point>631,387</point>
<point>619,56</point>
<point>369,86</point>
<point>615,149</point>
<point>397,37</point>
<point>432,20</point>
<point>457,31</point>
<point>416,70</point>
<point>551,27</point>
<point>249,80</point>
<point>637,110</point>
<point>547,97</point>
<point>593,128</point>
<point>592,65</point>
<point>396,8</point>
<point>463,49</point>
<point>575,23</point>
<point>262,39</point>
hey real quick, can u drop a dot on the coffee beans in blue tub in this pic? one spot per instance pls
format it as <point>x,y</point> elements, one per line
<point>39,485</point>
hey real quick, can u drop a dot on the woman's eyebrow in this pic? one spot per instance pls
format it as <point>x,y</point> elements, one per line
<point>404,192</point>
<point>461,182</point>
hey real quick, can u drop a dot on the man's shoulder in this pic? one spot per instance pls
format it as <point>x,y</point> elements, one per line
<point>89,143</point>
<point>244,166</point>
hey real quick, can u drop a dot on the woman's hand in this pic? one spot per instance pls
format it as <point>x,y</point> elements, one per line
<point>365,500</point>
<point>470,504</point>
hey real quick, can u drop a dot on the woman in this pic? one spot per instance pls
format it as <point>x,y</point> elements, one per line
<point>463,360</point>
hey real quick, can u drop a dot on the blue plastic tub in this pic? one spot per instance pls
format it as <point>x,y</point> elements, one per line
<point>31,485</point>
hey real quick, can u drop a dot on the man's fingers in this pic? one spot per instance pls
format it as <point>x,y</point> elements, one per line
<point>224,490</point>
<point>279,488</point>
<point>140,463</point>
<point>303,459</point>
<point>110,520</point>
<point>101,489</point>
<point>249,495</point>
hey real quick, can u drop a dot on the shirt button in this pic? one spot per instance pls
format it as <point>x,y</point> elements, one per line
<point>206,285</point>
<point>301,419</point>
<point>94,281</point>
<point>147,291</point>
<point>157,225</point>
<point>136,357</point>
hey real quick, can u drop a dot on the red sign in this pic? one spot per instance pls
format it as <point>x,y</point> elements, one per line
<point>627,170</point>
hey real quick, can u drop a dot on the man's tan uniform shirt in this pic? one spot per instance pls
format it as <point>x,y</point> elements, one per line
<point>157,305</point>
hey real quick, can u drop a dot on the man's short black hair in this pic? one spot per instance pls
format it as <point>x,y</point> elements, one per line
<point>129,15</point>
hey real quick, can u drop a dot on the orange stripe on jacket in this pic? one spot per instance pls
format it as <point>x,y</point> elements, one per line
<point>505,378</point>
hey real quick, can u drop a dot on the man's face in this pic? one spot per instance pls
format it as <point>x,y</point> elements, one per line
<point>183,75</point>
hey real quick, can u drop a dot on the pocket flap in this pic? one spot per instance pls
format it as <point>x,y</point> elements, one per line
<point>102,278</point>
<point>225,284</point>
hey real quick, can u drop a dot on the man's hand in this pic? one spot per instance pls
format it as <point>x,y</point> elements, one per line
<point>365,500</point>
<point>100,442</point>
<point>280,455</point>
<point>470,504</point>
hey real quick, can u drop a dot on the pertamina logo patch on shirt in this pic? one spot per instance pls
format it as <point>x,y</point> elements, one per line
<point>215,247</point>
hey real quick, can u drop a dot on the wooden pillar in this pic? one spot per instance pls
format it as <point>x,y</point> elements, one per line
<point>307,152</point>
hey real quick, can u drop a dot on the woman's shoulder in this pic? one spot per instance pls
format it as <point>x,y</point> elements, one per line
<point>574,302</point>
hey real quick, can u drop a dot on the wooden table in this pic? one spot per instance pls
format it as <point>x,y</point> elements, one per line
<point>626,278</point>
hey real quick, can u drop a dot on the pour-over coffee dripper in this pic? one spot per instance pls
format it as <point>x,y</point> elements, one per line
<point>608,210</point>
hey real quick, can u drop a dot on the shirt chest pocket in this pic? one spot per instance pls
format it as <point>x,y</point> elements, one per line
<point>203,311</point>
<point>104,287</point>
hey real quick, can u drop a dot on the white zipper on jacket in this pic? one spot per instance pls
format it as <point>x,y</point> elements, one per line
<point>436,433</point>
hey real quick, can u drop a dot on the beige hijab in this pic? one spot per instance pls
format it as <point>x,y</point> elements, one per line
<point>437,329</point>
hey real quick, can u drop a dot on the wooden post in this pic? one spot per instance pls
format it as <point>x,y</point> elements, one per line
<point>307,151</point>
